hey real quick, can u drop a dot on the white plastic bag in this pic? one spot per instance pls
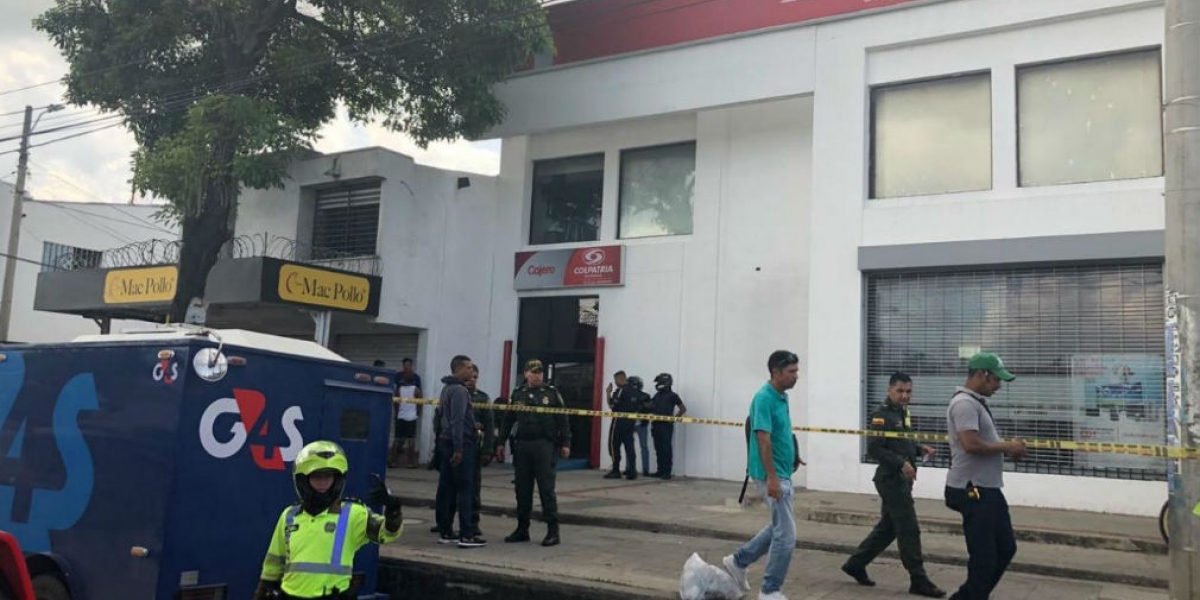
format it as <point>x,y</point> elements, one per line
<point>702,581</point>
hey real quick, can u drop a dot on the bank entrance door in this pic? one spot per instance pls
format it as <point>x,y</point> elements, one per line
<point>561,332</point>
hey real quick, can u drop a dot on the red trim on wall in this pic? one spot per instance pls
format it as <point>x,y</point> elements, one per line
<point>506,374</point>
<point>590,29</point>
<point>597,402</point>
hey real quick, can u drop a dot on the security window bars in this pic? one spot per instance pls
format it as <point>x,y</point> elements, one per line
<point>567,196</point>
<point>1096,119</point>
<point>347,219</point>
<point>656,190</point>
<point>931,137</point>
<point>60,257</point>
<point>1085,342</point>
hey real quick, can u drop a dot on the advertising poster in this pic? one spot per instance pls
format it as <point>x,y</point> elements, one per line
<point>1118,398</point>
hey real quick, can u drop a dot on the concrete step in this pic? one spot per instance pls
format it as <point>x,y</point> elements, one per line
<point>1079,562</point>
<point>606,563</point>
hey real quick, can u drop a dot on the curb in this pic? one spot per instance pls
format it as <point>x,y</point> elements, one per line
<point>691,531</point>
<point>1037,536</point>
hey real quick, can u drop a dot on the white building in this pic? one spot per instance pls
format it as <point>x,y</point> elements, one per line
<point>877,190</point>
<point>60,234</point>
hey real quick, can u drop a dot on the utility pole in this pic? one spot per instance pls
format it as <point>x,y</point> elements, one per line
<point>1181,122</point>
<point>14,228</point>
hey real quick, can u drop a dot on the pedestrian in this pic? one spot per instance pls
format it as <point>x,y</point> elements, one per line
<point>486,428</point>
<point>408,385</point>
<point>771,457</point>
<point>894,477</point>
<point>457,442</point>
<point>542,438</point>
<point>628,402</point>
<point>666,403</point>
<point>973,485</point>
<point>642,428</point>
<point>311,554</point>
<point>611,393</point>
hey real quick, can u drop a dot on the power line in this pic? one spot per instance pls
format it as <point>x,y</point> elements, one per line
<point>143,223</point>
<point>66,137</point>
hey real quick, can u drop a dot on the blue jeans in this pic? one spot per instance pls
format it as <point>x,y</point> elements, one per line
<point>776,541</point>
<point>643,436</point>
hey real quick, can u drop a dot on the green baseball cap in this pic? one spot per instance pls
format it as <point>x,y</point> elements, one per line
<point>986,361</point>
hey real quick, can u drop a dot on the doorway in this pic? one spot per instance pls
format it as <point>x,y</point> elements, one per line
<point>561,331</point>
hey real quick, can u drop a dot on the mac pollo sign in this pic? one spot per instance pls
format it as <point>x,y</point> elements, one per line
<point>577,267</point>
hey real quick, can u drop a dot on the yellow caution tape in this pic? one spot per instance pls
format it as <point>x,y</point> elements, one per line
<point>1180,452</point>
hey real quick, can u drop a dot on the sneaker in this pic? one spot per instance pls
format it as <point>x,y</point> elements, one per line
<point>771,596</point>
<point>472,542</point>
<point>448,538</point>
<point>738,573</point>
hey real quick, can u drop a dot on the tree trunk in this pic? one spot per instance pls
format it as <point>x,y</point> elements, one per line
<point>205,232</point>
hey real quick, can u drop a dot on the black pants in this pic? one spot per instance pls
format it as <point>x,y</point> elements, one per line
<point>897,523</point>
<point>990,541</point>
<point>536,463</point>
<point>664,434</point>
<point>456,490</point>
<point>476,500</point>
<point>623,438</point>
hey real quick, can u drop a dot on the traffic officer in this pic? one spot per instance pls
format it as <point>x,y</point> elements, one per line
<point>894,479</point>
<point>311,554</point>
<point>542,438</point>
<point>629,399</point>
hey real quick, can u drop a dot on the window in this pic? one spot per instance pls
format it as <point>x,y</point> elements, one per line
<point>1096,119</point>
<point>566,200</point>
<point>931,137</point>
<point>347,220</point>
<point>355,425</point>
<point>656,190</point>
<point>1085,342</point>
<point>59,257</point>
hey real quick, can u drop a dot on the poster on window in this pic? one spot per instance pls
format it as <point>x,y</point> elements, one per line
<point>1117,398</point>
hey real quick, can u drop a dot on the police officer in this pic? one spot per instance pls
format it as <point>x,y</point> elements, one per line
<point>629,399</point>
<point>486,426</point>
<point>665,403</point>
<point>542,438</point>
<point>301,561</point>
<point>894,480</point>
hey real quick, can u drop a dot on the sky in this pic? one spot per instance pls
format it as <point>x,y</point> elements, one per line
<point>96,167</point>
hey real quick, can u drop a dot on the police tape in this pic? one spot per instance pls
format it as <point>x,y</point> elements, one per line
<point>1147,450</point>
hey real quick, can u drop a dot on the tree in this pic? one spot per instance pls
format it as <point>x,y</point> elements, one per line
<point>223,94</point>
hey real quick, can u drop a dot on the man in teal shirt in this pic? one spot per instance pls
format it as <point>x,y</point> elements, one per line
<point>770,464</point>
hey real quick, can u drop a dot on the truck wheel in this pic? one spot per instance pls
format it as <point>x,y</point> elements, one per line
<point>50,587</point>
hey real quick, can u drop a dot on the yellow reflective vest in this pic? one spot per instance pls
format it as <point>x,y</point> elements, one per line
<point>313,556</point>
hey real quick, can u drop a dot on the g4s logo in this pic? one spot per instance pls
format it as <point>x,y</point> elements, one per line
<point>251,424</point>
<point>166,372</point>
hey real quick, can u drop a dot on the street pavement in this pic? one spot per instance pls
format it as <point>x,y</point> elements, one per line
<point>634,537</point>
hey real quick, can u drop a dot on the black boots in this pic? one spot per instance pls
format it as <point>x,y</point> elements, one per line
<point>551,536</point>
<point>518,536</point>
<point>924,587</point>
<point>859,575</point>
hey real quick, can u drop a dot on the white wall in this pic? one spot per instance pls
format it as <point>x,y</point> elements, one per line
<point>708,307</point>
<point>926,42</point>
<point>782,186</point>
<point>95,226</point>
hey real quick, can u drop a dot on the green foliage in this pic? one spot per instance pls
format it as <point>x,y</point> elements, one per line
<point>221,94</point>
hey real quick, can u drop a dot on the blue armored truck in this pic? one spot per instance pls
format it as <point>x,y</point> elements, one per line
<point>155,465</point>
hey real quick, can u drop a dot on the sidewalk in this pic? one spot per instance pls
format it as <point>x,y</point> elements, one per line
<point>1063,544</point>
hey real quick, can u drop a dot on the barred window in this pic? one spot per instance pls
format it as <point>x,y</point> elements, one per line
<point>347,219</point>
<point>1085,342</point>
<point>60,257</point>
